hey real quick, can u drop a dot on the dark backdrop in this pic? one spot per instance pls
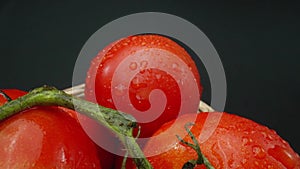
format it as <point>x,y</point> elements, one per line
<point>258,43</point>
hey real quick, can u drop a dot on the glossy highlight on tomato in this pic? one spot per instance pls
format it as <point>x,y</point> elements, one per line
<point>45,137</point>
<point>237,142</point>
<point>149,76</point>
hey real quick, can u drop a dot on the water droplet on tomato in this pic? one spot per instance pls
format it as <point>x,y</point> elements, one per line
<point>269,166</point>
<point>138,97</point>
<point>181,82</point>
<point>133,38</point>
<point>62,155</point>
<point>174,66</point>
<point>245,141</point>
<point>264,134</point>
<point>283,156</point>
<point>230,163</point>
<point>269,137</point>
<point>109,56</point>
<point>120,89</point>
<point>132,52</point>
<point>136,81</point>
<point>158,76</point>
<point>109,100</point>
<point>258,152</point>
<point>128,40</point>
<point>243,161</point>
<point>143,64</point>
<point>133,66</point>
<point>283,142</point>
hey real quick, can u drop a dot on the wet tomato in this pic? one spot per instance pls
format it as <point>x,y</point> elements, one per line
<point>11,94</point>
<point>148,76</point>
<point>236,142</point>
<point>45,137</point>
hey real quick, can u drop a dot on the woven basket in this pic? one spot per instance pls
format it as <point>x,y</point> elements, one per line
<point>78,91</point>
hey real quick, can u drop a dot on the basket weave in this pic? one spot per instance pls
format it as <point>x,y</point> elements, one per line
<point>78,91</point>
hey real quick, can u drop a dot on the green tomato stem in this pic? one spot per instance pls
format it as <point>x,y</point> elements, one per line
<point>119,123</point>
<point>201,158</point>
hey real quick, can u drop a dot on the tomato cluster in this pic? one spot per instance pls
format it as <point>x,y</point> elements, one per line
<point>155,80</point>
<point>236,142</point>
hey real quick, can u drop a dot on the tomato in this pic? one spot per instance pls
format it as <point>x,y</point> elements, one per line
<point>45,137</point>
<point>98,134</point>
<point>11,93</point>
<point>237,142</point>
<point>103,139</point>
<point>148,76</point>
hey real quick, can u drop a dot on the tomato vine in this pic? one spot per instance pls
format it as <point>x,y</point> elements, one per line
<point>119,123</point>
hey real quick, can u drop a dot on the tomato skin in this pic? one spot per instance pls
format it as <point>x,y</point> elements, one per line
<point>46,137</point>
<point>236,143</point>
<point>102,137</point>
<point>138,53</point>
<point>51,137</point>
<point>12,93</point>
<point>98,134</point>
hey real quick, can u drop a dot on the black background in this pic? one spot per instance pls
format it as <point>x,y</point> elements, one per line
<point>258,43</point>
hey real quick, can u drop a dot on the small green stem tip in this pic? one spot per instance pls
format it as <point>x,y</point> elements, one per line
<point>201,158</point>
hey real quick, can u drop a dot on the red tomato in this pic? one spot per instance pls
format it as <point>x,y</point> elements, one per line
<point>11,93</point>
<point>102,137</point>
<point>48,137</point>
<point>149,76</point>
<point>99,134</point>
<point>237,142</point>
